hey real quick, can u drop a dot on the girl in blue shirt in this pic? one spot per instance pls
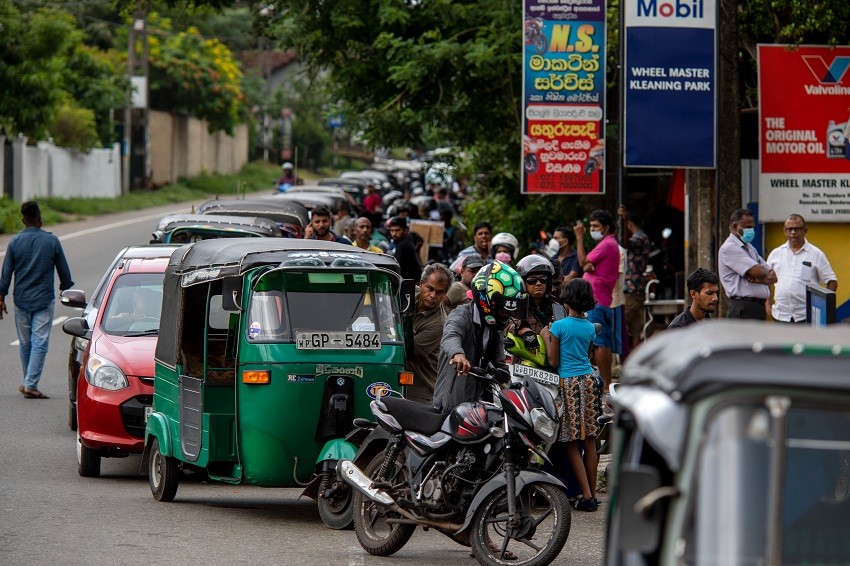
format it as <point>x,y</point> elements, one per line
<point>567,343</point>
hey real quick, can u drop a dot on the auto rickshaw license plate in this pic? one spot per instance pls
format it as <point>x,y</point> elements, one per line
<point>538,375</point>
<point>306,340</point>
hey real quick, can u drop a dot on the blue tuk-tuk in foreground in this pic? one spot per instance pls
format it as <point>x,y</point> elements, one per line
<point>732,444</point>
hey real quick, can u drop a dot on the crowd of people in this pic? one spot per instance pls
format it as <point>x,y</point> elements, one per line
<point>584,293</point>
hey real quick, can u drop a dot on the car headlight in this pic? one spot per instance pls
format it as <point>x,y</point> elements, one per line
<point>544,427</point>
<point>102,373</point>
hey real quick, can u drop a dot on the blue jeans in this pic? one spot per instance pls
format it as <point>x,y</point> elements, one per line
<point>34,335</point>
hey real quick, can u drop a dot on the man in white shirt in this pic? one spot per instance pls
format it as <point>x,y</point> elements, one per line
<point>796,263</point>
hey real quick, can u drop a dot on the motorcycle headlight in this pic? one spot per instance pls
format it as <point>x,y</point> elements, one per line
<point>102,373</point>
<point>544,427</point>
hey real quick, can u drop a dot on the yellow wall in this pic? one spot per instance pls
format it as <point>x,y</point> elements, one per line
<point>832,238</point>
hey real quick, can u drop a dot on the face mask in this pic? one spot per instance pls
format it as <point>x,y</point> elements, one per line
<point>748,235</point>
<point>596,235</point>
<point>553,247</point>
<point>504,257</point>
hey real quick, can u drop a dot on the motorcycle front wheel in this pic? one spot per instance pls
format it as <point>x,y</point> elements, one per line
<point>376,534</point>
<point>535,537</point>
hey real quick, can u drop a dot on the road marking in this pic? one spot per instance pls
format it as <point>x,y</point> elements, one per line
<point>57,320</point>
<point>97,229</point>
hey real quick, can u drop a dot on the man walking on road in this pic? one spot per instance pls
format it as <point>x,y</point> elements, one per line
<point>797,262</point>
<point>31,257</point>
<point>743,272</point>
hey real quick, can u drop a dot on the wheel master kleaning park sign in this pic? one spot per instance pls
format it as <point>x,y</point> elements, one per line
<point>670,86</point>
<point>804,104</point>
<point>563,150</point>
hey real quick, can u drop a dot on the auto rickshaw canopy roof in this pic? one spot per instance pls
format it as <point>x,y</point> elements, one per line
<point>260,226</point>
<point>277,210</point>
<point>662,378</point>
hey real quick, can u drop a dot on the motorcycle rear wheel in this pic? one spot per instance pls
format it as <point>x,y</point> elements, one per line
<point>376,536</point>
<point>544,520</point>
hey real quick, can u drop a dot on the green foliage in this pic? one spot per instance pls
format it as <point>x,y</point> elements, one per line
<point>74,128</point>
<point>97,80</point>
<point>197,77</point>
<point>310,104</point>
<point>33,47</point>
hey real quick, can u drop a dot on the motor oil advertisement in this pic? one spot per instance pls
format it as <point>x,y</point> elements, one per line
<point>670,83</point>
<point>563,145</point>
<point>803,114</point>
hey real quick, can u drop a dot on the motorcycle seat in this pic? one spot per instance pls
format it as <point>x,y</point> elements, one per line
<point>415,416</point>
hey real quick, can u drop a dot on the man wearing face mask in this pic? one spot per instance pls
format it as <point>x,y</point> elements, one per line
<point>744,273</point>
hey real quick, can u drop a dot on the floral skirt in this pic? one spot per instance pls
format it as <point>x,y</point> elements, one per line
<point>582,403</point>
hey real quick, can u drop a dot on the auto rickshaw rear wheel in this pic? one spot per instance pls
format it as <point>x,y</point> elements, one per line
<point>88,460</point>
<point>163,474</point>
<point>336,510</point>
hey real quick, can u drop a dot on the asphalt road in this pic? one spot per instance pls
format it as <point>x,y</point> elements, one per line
<point>50,515</point>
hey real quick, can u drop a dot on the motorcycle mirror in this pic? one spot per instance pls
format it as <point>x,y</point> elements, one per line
<point>666,233</point>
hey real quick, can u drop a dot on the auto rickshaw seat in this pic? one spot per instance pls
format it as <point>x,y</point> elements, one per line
<point>413,415</point>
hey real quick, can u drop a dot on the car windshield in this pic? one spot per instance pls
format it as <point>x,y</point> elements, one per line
<point>284,303</point>
<point>133,305</point>
<point>194,234</point>
<point>729,516</point>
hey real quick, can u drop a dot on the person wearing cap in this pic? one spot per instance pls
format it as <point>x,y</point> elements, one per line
<point>459,291</point>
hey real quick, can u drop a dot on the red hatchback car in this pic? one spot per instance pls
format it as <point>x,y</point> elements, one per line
<point>115,385</point>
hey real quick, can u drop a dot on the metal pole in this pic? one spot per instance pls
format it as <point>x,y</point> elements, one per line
<point>621,106</point>
<point>128,113</point>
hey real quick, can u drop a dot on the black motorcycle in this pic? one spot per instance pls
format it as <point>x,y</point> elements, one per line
<point>472,473</point>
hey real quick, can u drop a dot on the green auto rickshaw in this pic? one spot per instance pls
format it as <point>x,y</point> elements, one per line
<point>268,350</point>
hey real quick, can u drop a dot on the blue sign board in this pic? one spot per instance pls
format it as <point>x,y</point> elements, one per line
<point>670,87</point>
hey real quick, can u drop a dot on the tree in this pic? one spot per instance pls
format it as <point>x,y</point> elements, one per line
<point>196,76</point>
<point>97,80</point>
<point>33,50</point>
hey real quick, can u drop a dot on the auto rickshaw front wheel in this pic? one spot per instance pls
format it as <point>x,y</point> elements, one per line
<point>162,474</point>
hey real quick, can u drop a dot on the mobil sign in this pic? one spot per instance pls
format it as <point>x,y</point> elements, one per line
<point>669,83</point>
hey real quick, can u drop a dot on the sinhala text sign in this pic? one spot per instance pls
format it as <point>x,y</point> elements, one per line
<point>563,97</point>
<point>670,85</point>
<point>803,115</point>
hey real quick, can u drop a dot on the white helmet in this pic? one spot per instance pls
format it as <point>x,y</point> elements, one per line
<point>505,239</point>
<point>287,165</point>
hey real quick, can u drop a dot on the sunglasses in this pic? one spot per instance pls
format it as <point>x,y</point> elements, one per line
<point>535,279</point>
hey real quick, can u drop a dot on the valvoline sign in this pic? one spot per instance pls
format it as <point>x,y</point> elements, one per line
<point>670,13</point>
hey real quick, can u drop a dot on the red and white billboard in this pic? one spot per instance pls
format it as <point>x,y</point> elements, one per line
<point>804,110</point>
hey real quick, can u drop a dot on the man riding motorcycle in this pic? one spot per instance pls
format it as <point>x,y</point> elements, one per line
<point>472,335</point>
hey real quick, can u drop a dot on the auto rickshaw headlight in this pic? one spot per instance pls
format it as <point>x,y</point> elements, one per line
<point>102,373</point>
<point>256,376</point>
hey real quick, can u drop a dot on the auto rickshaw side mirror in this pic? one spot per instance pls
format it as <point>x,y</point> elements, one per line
<point>408,293</point>
<point>231,294</point>
<point>77,326</point>
<point>639,526</point>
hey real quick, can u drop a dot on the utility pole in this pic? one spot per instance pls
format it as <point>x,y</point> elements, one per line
<point>133,64</point>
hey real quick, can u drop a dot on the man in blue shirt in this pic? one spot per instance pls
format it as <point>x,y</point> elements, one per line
<point>31,257</point>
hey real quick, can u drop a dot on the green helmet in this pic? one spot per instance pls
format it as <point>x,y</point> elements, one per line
<point>496,288</point>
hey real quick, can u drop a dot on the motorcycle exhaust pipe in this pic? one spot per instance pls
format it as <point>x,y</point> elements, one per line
<point>352,475</point>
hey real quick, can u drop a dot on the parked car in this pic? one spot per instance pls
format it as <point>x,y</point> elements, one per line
<point>115,385</point>
<point>732,446</point>
<point>186,228</point>
<point>76,298</point>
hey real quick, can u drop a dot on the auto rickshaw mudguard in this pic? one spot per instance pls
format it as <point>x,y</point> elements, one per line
<point>333,450</point>
<point>524,478</point>
<point>157,427</point>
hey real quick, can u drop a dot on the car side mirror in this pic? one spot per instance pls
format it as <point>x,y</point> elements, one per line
<point>77,326</point>
<point>640,518</point>
<point>74,298</point>
<point>231,294</point>
<point>408,293</point>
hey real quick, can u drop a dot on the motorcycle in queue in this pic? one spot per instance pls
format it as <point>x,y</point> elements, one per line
<point>470,473</point>
<point>268,349</point>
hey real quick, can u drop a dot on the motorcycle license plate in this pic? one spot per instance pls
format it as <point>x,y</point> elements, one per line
<point>307,340</point>
<point>538,375</point>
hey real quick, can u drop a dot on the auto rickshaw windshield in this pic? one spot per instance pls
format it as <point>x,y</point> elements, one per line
<point>283,303</point>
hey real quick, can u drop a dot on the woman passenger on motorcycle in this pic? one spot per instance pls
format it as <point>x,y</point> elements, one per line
<point>542,308</point>
<point>567,343</point>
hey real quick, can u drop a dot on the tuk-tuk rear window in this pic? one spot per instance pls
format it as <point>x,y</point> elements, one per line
<point>285,303</point>
<point>729,520</point>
